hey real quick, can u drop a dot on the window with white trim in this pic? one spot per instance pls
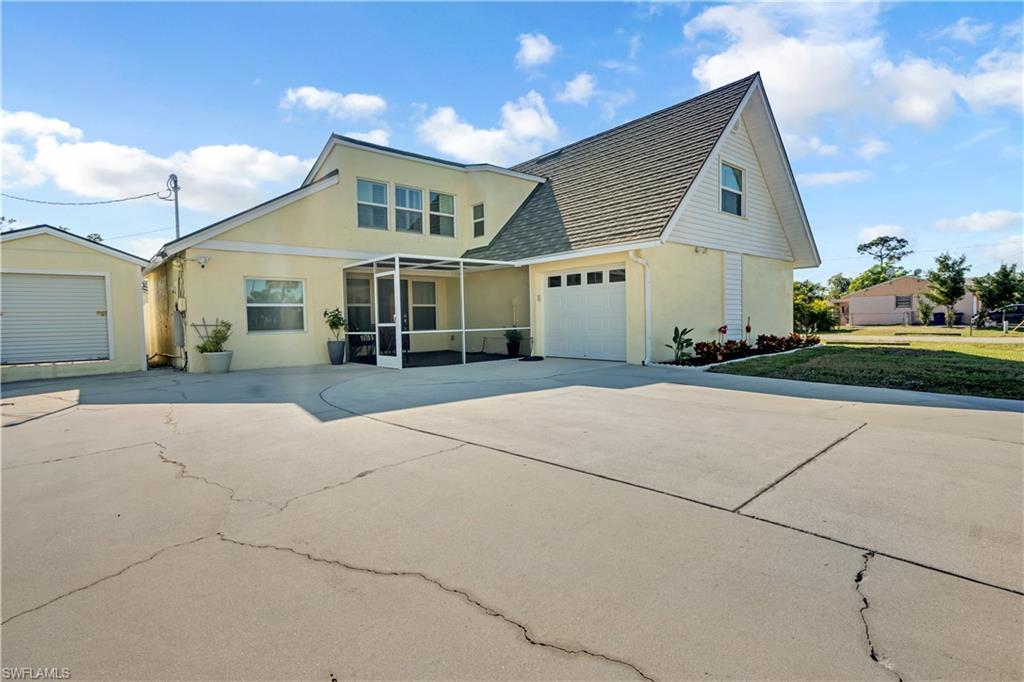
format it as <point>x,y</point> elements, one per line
<point>372,204</point>
<point>732,190</point>
<point>616,275</point>
<point>904,301</point>
<point>478,220</point>
<point>275,305</point>
<point>408,209</point>
<point>424,306</point>
<point>358,310</point>
<point>442,214</point>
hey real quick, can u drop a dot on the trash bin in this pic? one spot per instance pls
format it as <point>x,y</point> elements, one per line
<point>939,319</point>
<point>958,319</point>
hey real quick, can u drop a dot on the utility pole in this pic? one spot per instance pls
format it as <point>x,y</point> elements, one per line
<point>172,184</point>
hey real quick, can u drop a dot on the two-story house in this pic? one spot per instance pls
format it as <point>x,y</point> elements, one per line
<point>689,216</point>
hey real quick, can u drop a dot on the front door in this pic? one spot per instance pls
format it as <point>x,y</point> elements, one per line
<point>389,337</point>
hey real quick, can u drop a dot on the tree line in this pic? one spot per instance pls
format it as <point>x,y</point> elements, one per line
<point>813,309</point>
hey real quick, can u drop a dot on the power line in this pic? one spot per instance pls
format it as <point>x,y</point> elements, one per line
<point>946,248</point>
<point>136,234</point>
<point>86,203</point>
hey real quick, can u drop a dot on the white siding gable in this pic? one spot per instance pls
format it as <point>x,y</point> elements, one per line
<point>758,232</point>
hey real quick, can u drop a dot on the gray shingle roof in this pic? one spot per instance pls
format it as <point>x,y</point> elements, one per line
<point>618,186</point>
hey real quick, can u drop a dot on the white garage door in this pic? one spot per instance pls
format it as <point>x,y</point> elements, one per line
<point>53,318</point>
<point>585,314</point>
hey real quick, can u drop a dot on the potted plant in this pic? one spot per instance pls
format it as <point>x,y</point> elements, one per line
<point>337,323</point>
<point>512,339</point>
<point>217,359</point>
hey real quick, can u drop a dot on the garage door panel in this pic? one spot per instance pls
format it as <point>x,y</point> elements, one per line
<point>53,318</point>
<point>587,320</point>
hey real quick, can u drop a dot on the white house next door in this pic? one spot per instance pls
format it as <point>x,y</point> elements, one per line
<point>585,313</point>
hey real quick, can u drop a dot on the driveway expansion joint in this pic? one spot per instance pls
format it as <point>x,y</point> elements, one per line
<point>799,466</point>
<point>105,578</point>
<point>488,610</point>
<point>873,651</point>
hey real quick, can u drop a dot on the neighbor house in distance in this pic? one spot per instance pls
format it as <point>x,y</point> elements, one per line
<point>896,302</point>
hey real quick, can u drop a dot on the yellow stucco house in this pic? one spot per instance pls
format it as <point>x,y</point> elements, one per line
<point>689,216</point>
<point>70,306</point>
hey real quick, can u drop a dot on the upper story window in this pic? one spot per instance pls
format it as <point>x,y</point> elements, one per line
<point>442,214</point>
<point>408,209</point>
<point>478,220</point>
<point>732,190</point>
<point>275,305</point>
<point>372,204</point>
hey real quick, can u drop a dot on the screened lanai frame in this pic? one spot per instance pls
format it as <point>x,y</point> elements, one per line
<point>393,266</point>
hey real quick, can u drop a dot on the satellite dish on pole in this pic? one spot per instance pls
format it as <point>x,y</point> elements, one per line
<point>890,271</point>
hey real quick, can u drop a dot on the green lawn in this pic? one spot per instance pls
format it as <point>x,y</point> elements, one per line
<point>991,370</point>
<point>901,330</point>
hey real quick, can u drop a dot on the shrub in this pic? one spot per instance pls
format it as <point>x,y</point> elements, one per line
<point>812,340</point>
<point>769,343</point>
<point>708,351</point>
<point>216,338</point>
<point>681,344</point>
<point>735,349</point>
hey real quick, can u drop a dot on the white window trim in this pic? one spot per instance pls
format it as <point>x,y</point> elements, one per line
<point>386,206</point>
<point>742,193</point>
<point>424,201</point>
<point>413,304</point>
<point>910,302</point>
<point>482,220</point>
<point>455,211</point>
<point>305,312</point>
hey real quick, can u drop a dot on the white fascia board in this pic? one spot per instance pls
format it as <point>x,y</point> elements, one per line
<point>244,217</point>
<point>583,253</point>
<point>472,168</point>
<point>284,249</point>
<point>75,239</point>
<point>677,215</point>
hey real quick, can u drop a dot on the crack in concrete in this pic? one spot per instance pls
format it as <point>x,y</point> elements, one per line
<point>84,454</point>
<point>362,474</point>
<point>105,578</point>
<point>184,473</point>
<point>799,466</point>
<point>873,651</point>
<point>41,416</point>
<point>488,610</point>
<point>169,420</point>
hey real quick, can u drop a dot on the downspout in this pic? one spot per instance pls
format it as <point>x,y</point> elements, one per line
<point>648,313</point>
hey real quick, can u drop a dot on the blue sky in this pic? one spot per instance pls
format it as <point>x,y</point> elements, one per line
<point>899,118</point>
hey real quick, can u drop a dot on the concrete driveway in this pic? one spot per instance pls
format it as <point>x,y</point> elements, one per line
<point>552,520</point>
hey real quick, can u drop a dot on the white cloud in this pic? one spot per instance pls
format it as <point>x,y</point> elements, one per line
<point>579,90</point>
<point>816,69</point>
<point>214,178</point>
<point>798,145</point>
<point>868,233</point>
<point>982,221</point>
<point>635,43</point>
<point>831,178</point>
<point>28,124</point>
<point>621,66</point>
<point>351,106</point>
<point>923,91</point>
<point>525,126</point>
<point>1010,250</point>
<point>872,148</point>
<point>611,101</point>
<point>964,29</point>
<point>534,49</point>
<point>379,136</point>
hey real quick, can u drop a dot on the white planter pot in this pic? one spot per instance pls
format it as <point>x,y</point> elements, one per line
<point>218,363</point>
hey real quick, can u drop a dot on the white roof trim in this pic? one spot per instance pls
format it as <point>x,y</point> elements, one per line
<point>594,251</point>
<point>711,162</point>
<point>211,231</point>
<point>285,249</point>
<point>472,168</point>
<point>74,239</point>
<point>436,260</point>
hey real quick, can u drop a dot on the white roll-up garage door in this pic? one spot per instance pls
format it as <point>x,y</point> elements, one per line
<point>585,314</point>
<point>53,318</point>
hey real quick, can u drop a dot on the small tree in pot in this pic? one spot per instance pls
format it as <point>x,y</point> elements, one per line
<point>337,323</point>
<point>512,339</point>
<point>217,359</point>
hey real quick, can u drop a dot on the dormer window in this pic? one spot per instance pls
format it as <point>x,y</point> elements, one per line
<point>372,204</point>
<point>732,190</point>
